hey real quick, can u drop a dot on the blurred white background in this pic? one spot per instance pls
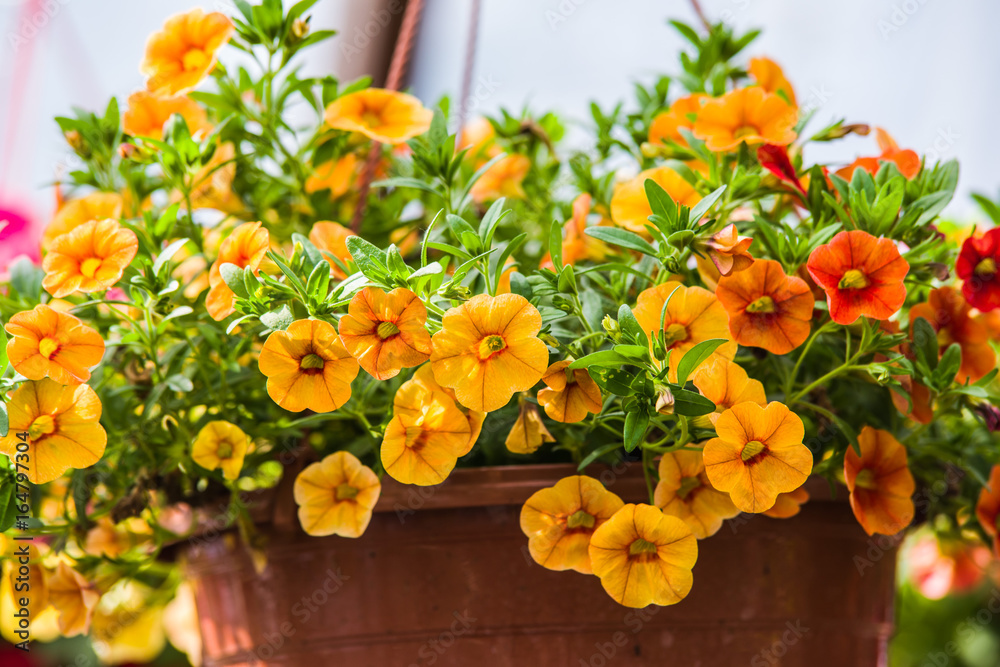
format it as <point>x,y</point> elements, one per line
<point>924,69</point>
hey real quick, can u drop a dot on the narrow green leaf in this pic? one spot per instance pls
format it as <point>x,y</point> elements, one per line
<point>620,237</point>
<point>695,356</point>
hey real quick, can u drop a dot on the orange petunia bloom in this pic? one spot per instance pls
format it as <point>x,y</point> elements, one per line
<point>183,53</point>
<point>769,76</point>
<point>147,114</point>
<point>337,176</point>
<point>73,597</point>
<point>331,239</point>
<point>746,115</point>
<point>988,508</point>
<point>424,377</point>
<point>726,384</point>
<point>881,485</point>
<point>246,246</point>
<point>906,160</point>
<point>385,116</point>
<point>528,432</point>
<point>629,206</point>
<point>642,557</point>
<point>63,427</point>
<point>90,258</point>
<point>425,437</point>
<point>576,245</point>
<point>488,349</point>
<point>72,214</point>
<point>386,332</point>
<point>681,114</point>
<point>693,315</point>
<point>569,398</point>
<point>336,496</point>
<point>685,492</point>
<point>767,308</point>
<point>788,504</point>
<point>947,311</point>
<point>503,179</point>
<point>307,367</point>
<point>727,250</point>
<point>920,407</point>
<point>861,275</point>
<point>47,343</point>
<point>221,445</point>
<point>560,520</point>
<point>758,454</point>
<point>478,136</point>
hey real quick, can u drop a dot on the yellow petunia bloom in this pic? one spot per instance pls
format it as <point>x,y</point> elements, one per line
<point>180,55</point>
<point>47,343</point>
<point>221,444</point>
<point>72,214</point>
<point>147,114</point>
<point>386,332</point>
<point>528,432</point>
<point>746,115</point>
<point>336,496</point>
<point>685,492</point>
<point>386,116</point>
<point>727,384</point>
<point>73,597</point>
<point>569,398</point>
<point>90,258</point>
<point>630,207</point>
<point>503,179</point>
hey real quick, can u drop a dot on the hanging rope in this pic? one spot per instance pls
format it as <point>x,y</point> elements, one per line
<point>470,64</point>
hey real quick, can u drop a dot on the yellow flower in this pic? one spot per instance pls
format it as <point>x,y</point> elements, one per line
<point>685,492</point>
<point>147,114</point>
<point>220,444</point>
<point>74,598</point>
<point>569,400</point>
<point>183,52</point>
<point>336,496</point>
<point>385,116</point>
<point>630,207</point>
<point>72,214</point>
<point>528,432</point>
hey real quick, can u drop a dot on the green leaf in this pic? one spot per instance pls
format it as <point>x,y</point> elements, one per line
<point>630,326</point>
<point>520,285</point>
<point>925,341</point>
<point>493,216</point>
<point>635,428</point>
<point>596,454</point>
<point>278,320</point>
<point>319,281</point>
<point>620,237</point>
<point>695,356</point>
<point>369,258</point>
<point>701,208</point>
<point>660,202</point>
<point>4,421</point>
<point>690,403</point>
<point>167,254</point>
<point>312,253</point>
<point>948,367</point>
<point>8,501</point>
<point>233,277</point>
<point>3,351</point>
<point>180,383</point>
<point>612,380</point>
<point>26,278</point>
<point>555,245</point>
<point>608,358</point>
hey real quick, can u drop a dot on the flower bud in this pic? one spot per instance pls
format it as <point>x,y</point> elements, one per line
<point>612,328</point>
<point>664,401</point>
<point>990,415</point>
<point>300,28</point>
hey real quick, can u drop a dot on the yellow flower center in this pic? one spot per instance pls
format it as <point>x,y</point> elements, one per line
<point>640,547</point>
<point>853,279</point>
<point>688,484</point>
<point>764,304</point>
<point>371,119</point>
<point>986,267</point>
<point>580,519</point>
<point>752,449</point>
<point>865,479</point>
<point>90,266</point>
<point>417,437</point>
<point>745,131</point>
<point>675,333</point>
<point>194,59</point>
<point>43,425</point>
<point>312,362</point>
<point>490,346</point>
<point>345,492</point>
<point>945,338</point>
<point>224,450</point>
<point>387,330</point>
<point>48,347</point>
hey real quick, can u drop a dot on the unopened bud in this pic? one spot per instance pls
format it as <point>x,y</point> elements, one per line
<point>612,328</point>
<point>128,151</point>
<point>300,28</point>
<point>990,415</point>
<point>664,401</point>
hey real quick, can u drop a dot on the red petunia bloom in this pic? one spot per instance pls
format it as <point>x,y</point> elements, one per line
<point>977,266</point>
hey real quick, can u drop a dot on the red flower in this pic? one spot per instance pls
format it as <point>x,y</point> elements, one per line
<point>977,266</point>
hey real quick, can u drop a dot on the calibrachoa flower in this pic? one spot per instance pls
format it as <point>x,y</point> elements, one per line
<point>769,76</point>
<point>788,504</point>
<point>881,485</point>
<point>667,125</point>
<point>528,432</point>
<point>693,315</point>
<point>63,427</point>
<point>336,496</point>
<point>246,246</point>
<point>335,176</point>
<point>861,275</point>
<point>906,160</point>
<point>726,384</point>
<point>560,520</point>
<point>757,455</point>
<point>643,556</point>
<point>766,307</point>
<point>183,52</point>
<point>503,179</point>
<point>988,508</point>
<point>977,266</point>
<point>331,239</point>
<point>488,349</point>
<point>940,566</point>
<point>746,115</point>
<point>386,332</point>
<point>307,367</point>
<point>385,116</point>
<point>685,492</point>
<point>577,245</point>
<point>424,376</point>
<point>949,314</point>
<point>569,398</point>
<point>147,114</point>
<point>629,206</point>
<point>48,343</point>
<point>73,597</point>
<point>72,214</point>
<point>221,445</point>
<point>727,250</point>
<point>90,258</point>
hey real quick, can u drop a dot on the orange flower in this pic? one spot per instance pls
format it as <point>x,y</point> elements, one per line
<point>47,343</point>
<point>667,125</point>
<point>307,367</point>
<point>90,258</point>
<point>728,251</point>
<point>906,160</point>
<point>331,239</point>
<point>693,315</point>
<point>576,245</point>
<point>560,520</point>
<point>221,445</point>
<point>920,407</point>
<point>183,52</point>
<point>746,115</point>
<point>788,504</point>
<point>246,246</point>
<point>528,432</point>
<point>629,206</point>
<point>569,398</point>
<point>881,485</point>
<point>72,214</point>
<point>336,496</point>
<point>988,508</point>
<point>386,332</point>
<point>337,176</point>
<point>478,136</point>
<point>767,308</point>
<point>947,311</point>
<point>726,384</point>
<point>63,427</point>
<point>488,349</point>
<point>770,77</point>
<point>381,115</point>
<point>73,597</point>
<point>503,179</point>
<point>685,492</point>
<point>643,557</point>
<point>147,114</point>
<point>424,376</point>
<point>758,454</point>
<point>861,275</point>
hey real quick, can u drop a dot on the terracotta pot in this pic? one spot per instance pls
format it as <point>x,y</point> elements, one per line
<point>442,576</point>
